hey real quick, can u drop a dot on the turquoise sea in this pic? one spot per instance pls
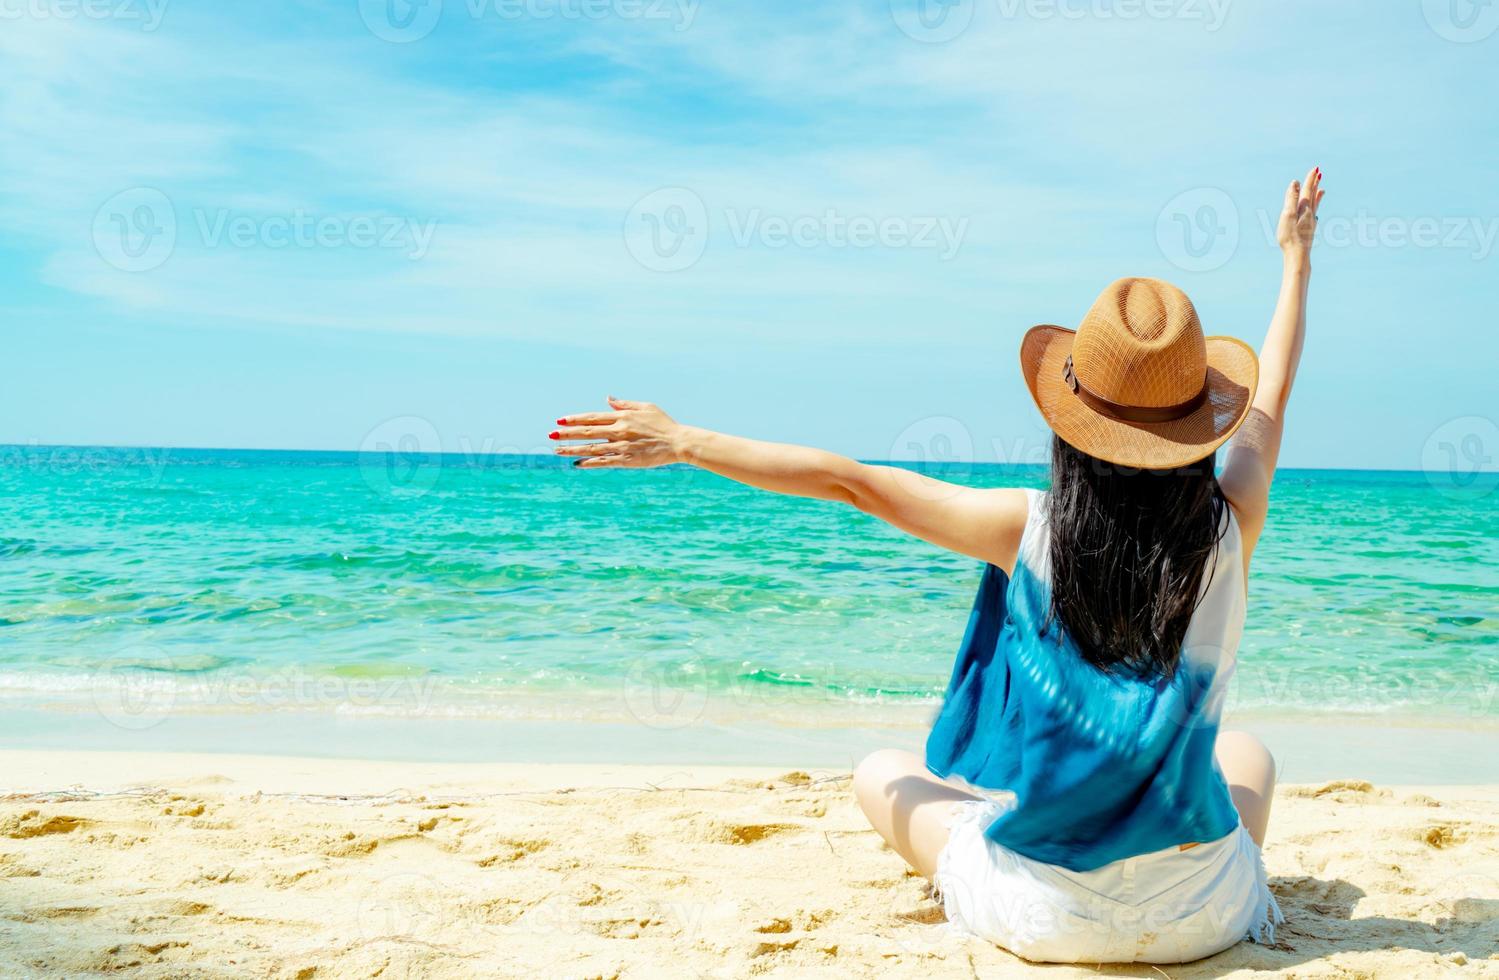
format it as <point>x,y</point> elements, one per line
<point>140,583</point>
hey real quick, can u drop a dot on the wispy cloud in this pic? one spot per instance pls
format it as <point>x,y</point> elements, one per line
<point>528,193</point>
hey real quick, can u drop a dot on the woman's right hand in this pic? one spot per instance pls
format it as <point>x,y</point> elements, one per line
<point>1298,218</point>
<point>635,435</point>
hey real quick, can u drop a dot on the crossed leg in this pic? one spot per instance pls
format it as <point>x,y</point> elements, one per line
<point>907,805</point>
<point>910,808</point>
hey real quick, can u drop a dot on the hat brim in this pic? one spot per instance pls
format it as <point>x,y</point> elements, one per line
<point>1233,373</point>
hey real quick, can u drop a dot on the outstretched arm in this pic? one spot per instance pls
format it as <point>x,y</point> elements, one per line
<point>985,524</point>
<point>1256,446</point>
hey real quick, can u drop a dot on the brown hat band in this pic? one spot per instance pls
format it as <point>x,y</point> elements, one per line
<point>1132,413</point>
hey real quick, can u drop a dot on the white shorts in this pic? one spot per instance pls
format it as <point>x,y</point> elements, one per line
<point>1170,906</point>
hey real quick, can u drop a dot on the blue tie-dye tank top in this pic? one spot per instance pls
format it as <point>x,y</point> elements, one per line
<point>1103,766</point>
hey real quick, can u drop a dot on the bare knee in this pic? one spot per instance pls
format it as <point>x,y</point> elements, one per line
<point>879,769</point>
<point>876,779</point>
<point>1247,755</point>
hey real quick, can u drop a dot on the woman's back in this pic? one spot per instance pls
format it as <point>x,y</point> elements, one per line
<point>1104,764</point>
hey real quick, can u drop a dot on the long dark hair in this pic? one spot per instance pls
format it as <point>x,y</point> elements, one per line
<point>1129,549</point>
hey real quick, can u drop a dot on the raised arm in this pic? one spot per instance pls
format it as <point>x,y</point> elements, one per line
<point>985,524</point>
<point>1256,446</point>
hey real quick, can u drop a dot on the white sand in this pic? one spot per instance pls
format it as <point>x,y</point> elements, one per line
<point>167,865</point>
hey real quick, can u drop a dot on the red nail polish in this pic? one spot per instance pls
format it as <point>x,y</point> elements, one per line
<point>562,421</point>
<point>554,435</point>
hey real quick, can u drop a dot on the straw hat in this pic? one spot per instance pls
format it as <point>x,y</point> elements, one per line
<point>1137,384</point>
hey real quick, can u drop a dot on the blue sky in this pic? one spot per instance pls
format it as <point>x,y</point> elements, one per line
<point>313,225</point>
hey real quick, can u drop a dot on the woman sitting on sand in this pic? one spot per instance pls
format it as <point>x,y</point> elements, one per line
<point>1088,689</point>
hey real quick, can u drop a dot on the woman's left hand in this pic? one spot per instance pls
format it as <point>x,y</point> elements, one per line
<point>635,435</point>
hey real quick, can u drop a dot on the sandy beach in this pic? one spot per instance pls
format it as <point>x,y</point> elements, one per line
<point>177,865</point>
